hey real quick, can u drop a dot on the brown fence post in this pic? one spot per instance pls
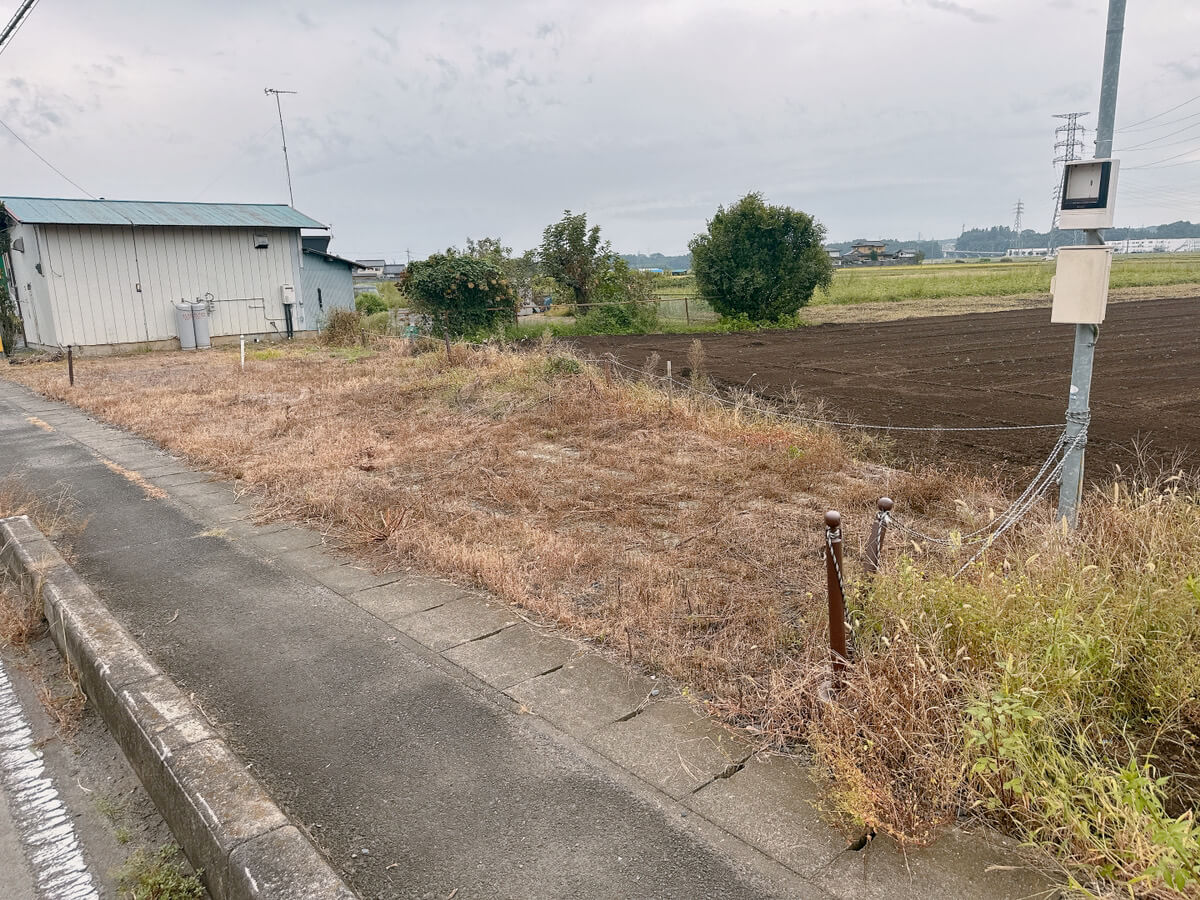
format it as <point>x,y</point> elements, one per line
<point>837,602</point>
<point>608,372</point>
<point>874,550</point>
<point>70,365</point>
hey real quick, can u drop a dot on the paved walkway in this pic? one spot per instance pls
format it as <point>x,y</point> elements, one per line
<point>431,741</point>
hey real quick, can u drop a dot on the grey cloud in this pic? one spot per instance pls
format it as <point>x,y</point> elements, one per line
<point>1188,69</point>
<point>494,60</point>
<point>958,9</point>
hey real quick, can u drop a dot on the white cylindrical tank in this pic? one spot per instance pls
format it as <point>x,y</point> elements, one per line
<point>184,326</point>
<point>200,323</point>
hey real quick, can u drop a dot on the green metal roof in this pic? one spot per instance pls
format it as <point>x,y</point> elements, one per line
<point>55,211</point>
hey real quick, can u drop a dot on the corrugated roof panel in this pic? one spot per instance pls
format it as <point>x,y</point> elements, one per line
<point>54,211</point>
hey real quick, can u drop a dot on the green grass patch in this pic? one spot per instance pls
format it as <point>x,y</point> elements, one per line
<point>159,876</point>
<point>994,279</point>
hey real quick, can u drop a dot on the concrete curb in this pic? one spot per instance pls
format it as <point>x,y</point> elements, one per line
<point>224,820</point>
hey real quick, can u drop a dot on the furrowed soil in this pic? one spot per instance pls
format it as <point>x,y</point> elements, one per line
<point>996,368</point>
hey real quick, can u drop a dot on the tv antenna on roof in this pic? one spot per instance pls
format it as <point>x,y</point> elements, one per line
<point>286,165</point>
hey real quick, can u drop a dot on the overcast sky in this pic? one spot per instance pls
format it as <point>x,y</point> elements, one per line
<point>417,124</point>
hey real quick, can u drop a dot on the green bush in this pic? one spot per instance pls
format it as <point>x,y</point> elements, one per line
<point>629,317</point>
<point>759,260</point>
<point>467,294</point>
<point>369,304</point>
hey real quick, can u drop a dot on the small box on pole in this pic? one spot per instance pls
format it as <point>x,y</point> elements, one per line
<point>1080,284</point>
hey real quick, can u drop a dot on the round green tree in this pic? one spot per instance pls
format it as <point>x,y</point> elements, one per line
<point>760,261</point>
<point>466,294</point>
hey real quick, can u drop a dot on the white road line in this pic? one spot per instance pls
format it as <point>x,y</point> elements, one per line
<point>42,822</point>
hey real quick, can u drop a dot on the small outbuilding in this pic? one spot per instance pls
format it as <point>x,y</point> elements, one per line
<point>106,274</point>
<point>327,280</point>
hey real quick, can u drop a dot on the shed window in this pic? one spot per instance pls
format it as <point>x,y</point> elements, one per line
<point>320,300</point>
<point>260,242</point>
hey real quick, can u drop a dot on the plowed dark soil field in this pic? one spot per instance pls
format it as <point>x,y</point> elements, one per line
<point>1000,368</point>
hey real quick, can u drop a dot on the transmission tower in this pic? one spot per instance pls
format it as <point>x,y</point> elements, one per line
<point>1018,211</point>
<point>1068,146</point>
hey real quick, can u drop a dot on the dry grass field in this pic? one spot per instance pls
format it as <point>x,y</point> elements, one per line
<point>1046,690</point>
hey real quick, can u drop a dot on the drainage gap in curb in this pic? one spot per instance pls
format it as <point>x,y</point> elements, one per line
<point>862,842</point>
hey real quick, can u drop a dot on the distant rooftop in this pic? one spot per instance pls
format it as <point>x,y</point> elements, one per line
<point>58,211</point>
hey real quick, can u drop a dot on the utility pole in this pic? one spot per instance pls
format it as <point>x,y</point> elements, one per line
<point>1078,409</point>
<point>286,165</point>
<point>14,24</point>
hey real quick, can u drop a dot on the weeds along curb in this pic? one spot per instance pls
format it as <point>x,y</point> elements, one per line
<point>223,819</point>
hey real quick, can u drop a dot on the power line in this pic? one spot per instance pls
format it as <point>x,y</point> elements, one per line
<point>46,161</point>
<point>1157,162</point>
<point>1163,113</point>
<point>1162,124</point>
<point>1163,138</point>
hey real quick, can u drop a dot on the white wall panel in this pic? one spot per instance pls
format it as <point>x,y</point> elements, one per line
<point>91,273</point>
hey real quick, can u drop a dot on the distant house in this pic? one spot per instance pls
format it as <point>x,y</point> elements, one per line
<point>678,272</point>
<point>370,269</point>
<point>874,253</point>
<point>371,272</point>
<point>325,278</point>
<point>835,256</point>
<point>106,274</point>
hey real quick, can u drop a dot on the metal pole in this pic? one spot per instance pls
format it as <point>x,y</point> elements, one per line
<point>874,551</point>
<point>1078,410</point>
<point>70,366</point>
<point>243,344</point>
<point>283,134</point>
<point>833,578</point>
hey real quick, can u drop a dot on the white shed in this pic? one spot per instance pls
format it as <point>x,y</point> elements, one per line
<point>105,274</point>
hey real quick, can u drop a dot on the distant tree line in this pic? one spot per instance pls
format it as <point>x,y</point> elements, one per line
<point>1000,238</point>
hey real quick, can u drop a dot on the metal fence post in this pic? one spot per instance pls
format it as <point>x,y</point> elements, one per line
<point>686,314</point>
<point>70,365</point>
<point>874,551</point>
<point>837,602</point>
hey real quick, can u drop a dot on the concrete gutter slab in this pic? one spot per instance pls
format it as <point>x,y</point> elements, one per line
<point>457,622</point>
<point>411,594</point>
<point>287,540</point>
<point>957,865</point>
<point>513,655</point>
<point>584,695</point>
<point>673,746</point>
<point>345,578</point>
<point>770,803</point>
